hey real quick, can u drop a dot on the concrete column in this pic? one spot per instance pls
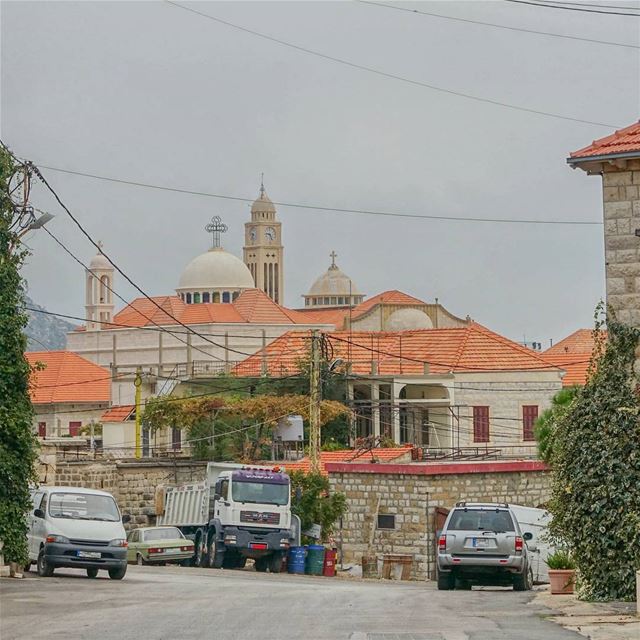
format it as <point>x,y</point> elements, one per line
<point>160,363</point>
<point>189,355</point>
<point>396,388</point>
<point>227,366</point>
<point>375,404</point>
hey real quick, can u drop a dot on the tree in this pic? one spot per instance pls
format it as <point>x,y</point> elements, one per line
<point>547,423</point>
<point>595,470</point>
<point>17,442</point>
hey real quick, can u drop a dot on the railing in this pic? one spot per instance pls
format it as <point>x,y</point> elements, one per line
<point>469,453</point>
<point>203,368</point>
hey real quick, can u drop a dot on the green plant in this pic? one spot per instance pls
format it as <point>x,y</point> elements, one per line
<point>595,471</point>
<point>561,559</point>
<point>314,504</point>
<point>18,446</point>
<point>546,424</point>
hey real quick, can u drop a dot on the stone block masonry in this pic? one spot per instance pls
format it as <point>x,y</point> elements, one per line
<point>132,483</point>
<point>414,493</point>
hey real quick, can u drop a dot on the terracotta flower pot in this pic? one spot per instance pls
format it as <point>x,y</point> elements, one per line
<point>562,580</point>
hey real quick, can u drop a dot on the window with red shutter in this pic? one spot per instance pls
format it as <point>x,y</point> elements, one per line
<point>42,429</point>
<point>176,438</point>
<point>529,417</point>
<point>481,424</point>
<point>74,428</point>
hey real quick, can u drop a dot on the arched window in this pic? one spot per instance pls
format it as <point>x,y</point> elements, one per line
<point>235,295</point>
<point>90,289</point>
<point>226,297</point>
<point>188,298</point>
<point>196,298</point>
<point>105,293</point>
<point>206,297</point>
<point>216,297</point>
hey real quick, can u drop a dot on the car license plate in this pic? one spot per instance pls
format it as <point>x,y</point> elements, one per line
<point>176,550</point>
<point>89,554</point>
<point>480,543</point>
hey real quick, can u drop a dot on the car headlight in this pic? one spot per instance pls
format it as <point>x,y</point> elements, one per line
<point>60,539</point>
<point>119,542</point>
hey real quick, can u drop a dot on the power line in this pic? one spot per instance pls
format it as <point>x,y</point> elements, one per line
<point>385,74</point>
<point>42,344</point>
<point>321,207</point>
<point>590,4</point>
<point>500,26</point>
<point>555,6</point>
<point>120,271</point>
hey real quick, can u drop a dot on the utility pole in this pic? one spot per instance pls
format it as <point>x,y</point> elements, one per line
<point>314,406</point>
<point>138,383</point>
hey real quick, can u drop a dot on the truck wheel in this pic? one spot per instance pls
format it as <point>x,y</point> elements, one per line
<point>261,564</point>
<point>198,556</point>
<point>242,562</point>
<point>45,570</point>
<point>275,562</point>
<point>216,555</point>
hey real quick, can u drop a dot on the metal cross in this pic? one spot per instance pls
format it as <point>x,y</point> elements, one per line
<point>333,256</point>
<point>215,228</point>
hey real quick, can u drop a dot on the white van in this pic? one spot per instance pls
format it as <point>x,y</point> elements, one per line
<point>77,527</point>
<point>537,522</point>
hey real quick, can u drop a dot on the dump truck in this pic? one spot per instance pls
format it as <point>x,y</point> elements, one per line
<point>237,512</point>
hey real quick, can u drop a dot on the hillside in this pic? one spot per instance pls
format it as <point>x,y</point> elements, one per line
<point>45,331</point>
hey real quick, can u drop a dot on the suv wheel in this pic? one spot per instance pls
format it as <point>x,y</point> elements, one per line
<point>92,572</point>
<point>446,581</point>
<point>45,570</point>
<point>523,581</point>
<point>118,574</point>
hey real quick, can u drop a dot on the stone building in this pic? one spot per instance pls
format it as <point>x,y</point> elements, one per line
<point>462,389</point>
<point>617,159</point>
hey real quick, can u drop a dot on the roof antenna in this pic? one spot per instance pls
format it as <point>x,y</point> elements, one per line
<point>262,184</point>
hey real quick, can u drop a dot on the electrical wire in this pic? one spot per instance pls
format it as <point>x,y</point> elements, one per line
<point>120,271</point>
<point>385,74</point>
<point>555,6</point>
<point>38,387</point>
<point>500,26</point>
<point>42,344</point>
<point>369,212</point>
<point>589,4</point>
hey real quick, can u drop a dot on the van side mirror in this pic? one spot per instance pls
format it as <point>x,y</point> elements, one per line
<point>527,535</point>
<point>38,513</point>
<point>216,496</point>
<point>126,518</point>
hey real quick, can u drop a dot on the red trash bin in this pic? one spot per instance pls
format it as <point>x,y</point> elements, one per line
<point>329,567</point>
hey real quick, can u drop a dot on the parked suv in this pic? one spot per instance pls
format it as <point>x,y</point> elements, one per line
<point>481,543</point>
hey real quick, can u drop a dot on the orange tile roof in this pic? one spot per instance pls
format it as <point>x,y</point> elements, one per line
<point>251,306</point>
<point>120,413</point>
<point>351,455</point>
<point>623,142</point>
<point>573,354</point>
<point>469,348</point>
<point>387,297</point>
<point>332,315</point>
<point>67,377</point>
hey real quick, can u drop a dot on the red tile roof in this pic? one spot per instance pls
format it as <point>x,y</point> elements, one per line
<point>67,377</point>
<point>332,315</point>
<point>120,413</point>
<point>573,354</point>
<point>469,348</point>
<point>623,142</point>
<point>251,306</point>
<point>397,454</point>
<point>387,297</point>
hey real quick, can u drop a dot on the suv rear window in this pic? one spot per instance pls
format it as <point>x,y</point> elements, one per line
<point>481,520</point>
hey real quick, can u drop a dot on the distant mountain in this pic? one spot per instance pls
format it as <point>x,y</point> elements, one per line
<point>44,331</point>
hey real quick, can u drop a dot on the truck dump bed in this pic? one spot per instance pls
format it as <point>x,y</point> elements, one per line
<point>186,505</point>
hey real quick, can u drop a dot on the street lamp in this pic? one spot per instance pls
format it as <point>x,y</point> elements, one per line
<point>36,223</point>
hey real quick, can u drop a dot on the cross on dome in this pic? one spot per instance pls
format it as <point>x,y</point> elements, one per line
<point>333,255</point>
<point>215,228</point>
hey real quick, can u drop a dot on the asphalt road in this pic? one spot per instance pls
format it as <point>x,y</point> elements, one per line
<point>176,603</point>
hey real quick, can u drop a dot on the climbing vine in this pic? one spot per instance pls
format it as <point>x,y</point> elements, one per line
<point>17,441</point>
<point>595,462</point>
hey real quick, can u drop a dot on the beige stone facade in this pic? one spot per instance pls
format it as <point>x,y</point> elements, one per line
<point>414,493</point>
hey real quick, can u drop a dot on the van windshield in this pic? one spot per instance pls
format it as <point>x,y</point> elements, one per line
<point>480,520</point>
<point>83,506</point>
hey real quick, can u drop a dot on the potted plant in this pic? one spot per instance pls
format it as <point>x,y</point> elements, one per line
<point>562,572</point>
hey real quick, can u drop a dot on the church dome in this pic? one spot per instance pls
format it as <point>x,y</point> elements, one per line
<point>99,261</point>
<point>333,288</point>
<point>408,319</point>
<point>215,270</point>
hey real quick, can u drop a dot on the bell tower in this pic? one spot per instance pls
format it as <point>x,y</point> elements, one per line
<point>263,250</point>
<point>99,291</point>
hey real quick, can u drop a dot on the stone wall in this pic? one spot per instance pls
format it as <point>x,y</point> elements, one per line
<point>132,483</point>
<point>621,195</point>
<point>414,492</point>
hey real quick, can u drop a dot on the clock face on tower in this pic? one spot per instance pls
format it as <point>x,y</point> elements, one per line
<point>253,234</point>
<point>270,234</point>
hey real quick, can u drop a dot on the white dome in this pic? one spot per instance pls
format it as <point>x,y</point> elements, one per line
<point>333,283</point>
<point>216,269</point>
<point>99,262</point>
<point>407,319</point>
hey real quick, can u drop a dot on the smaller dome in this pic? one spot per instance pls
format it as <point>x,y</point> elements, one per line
<point>333,283</point>
<point>216,269</point>
<point>262,204</point>
<point>99,261</point>
<point>408,319</point>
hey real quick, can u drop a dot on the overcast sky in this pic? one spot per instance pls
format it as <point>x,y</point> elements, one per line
<point>150,92</point>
